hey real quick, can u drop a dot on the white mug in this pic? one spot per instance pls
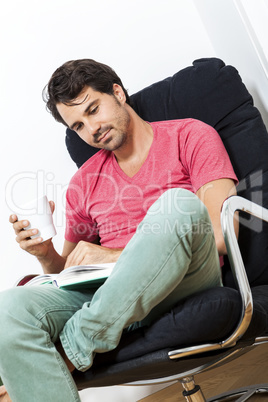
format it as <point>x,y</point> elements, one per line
<point>39,215</point>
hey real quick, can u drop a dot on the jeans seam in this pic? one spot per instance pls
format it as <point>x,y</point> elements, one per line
<point>49,310</point>
<point>63,369</point>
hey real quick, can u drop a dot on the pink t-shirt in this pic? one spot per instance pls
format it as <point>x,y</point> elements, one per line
<point>103,201</point>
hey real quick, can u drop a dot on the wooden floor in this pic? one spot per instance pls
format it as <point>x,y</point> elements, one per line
<point>249,369</point>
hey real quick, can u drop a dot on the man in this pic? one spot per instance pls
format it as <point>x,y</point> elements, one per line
<point>140,197</point>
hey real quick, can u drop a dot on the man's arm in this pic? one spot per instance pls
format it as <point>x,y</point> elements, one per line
<point>89,253</point>
<point>53,261</point>
<point>50,260</point>
<point>72,254</point>
<point>213,194</point>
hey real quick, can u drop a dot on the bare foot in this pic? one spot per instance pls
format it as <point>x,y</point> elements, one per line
<point>4,397</point>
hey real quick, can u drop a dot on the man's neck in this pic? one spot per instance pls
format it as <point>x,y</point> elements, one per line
<point>131,156</point>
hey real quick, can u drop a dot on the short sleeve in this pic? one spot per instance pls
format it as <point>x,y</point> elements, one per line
<point>79,224</point>
<point>203,154</point>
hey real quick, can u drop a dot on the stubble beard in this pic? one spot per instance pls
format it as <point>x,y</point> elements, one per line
<point>119,137</point>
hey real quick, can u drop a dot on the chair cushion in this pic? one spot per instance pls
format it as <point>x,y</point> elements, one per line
<point>143,354</point>
<point>207,317</point>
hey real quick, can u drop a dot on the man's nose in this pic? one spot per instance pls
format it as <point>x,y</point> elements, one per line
<point>92,127</point>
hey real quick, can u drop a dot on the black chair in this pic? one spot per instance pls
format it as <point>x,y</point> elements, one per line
<point>212,327</point>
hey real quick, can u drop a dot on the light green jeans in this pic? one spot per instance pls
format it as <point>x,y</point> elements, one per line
<point>172,255</point>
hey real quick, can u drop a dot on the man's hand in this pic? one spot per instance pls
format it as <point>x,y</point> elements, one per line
<point>32,246</point>
<point>50,260</point>
<point>4,397</point>
<point>88,253</point>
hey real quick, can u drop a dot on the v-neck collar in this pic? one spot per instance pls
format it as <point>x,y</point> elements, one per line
<point>143,166</point>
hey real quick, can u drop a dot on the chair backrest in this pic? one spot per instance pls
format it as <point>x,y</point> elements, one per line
<point>214,93</point>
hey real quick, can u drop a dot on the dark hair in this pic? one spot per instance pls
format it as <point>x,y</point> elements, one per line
<point>69,80</point>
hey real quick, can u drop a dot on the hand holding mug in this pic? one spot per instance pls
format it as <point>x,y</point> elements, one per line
<point>33,226</point>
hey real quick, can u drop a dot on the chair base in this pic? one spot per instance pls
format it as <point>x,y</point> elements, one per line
<point>193,393</point>
<point>241,394</point>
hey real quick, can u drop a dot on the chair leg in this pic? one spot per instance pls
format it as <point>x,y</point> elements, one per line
<point>241,394</point>
<point>192,392</point>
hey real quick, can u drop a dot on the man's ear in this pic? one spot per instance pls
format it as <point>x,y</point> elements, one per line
<point>119,93</point>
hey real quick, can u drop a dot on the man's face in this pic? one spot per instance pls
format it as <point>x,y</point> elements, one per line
<point>101,120</point>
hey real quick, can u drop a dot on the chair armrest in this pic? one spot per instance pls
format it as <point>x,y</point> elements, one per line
<point>229,207</point>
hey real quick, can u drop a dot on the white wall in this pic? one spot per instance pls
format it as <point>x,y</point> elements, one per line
<point>144,41</point>
<point>233,38</point>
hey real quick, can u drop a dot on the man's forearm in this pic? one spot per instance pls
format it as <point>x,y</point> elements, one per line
<point>52,262</point>
<point>88,253</point>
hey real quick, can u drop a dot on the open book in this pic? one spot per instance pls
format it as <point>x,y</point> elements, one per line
<point>80,276</point>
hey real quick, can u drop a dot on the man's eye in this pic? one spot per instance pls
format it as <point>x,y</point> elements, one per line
<point>94,110</point>
<point>78,127</point>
